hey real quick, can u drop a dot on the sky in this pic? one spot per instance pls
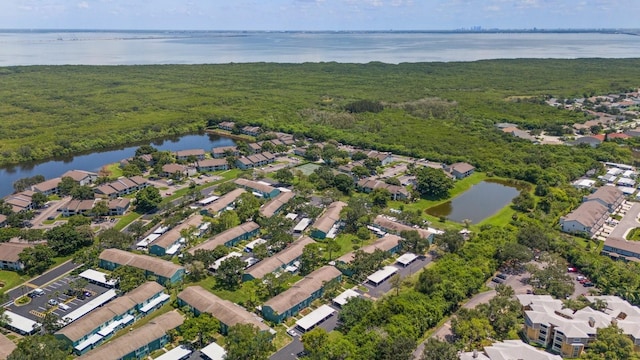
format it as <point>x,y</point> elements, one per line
<point>317,14</point>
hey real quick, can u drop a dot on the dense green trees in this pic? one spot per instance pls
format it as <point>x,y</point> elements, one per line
<point>435,349</point>
<point>229,273</point>
<point>40,347</point>
<point>199,329</point>
<point>148,199</point>
<point>247,342</point>
<point>433,183</point>
<point>37,259</point>
<point>128,277</point>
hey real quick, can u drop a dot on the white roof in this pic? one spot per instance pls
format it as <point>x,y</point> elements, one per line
<point>105,331</point>
<point>407,258</point>
<point>90,341</point>
<point>627,190</point>
<point>333,232</point>
<point>209,200</point>
<point>89,306</point>
<point>302,225</point>
<point>345,296</point>
<point>20,322</point>
<point>98,276</point>
<point>161,230</point>
<point>255,243</point>
<point>175,354</point>
<point>214,351</point>
<point>158,300</point>
<point>149,239</point>
<point>291,216</point>
<point>382,274</point>
<point>173,248</point>
<point>218,262</point>
<point>315,317</point>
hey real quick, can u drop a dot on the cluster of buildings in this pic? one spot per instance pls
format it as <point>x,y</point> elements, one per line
<point>594,212</point>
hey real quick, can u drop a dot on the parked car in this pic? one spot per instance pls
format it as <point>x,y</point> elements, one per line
<point>292,332</point>
<point>53,302</point>
<point>580,277</point>
<point>63,307</point>
<point>502,276</point>
<point>572,269</point>
<point>587,284</point>
<point>497,280</point>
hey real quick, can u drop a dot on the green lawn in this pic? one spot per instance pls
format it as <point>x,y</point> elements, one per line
<point>126,220</point>
<point>11,279</point>
<point>225,176</point>
<point>346,242</point>
<point>114,169</point>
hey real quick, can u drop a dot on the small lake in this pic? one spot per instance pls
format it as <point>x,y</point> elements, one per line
<point>478,203</point>
<point>96,160</point>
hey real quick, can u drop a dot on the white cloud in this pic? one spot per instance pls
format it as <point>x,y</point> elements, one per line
<point>83,5</point>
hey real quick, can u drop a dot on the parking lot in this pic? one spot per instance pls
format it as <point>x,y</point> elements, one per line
<point>39,305</point>
<point>385,286</point>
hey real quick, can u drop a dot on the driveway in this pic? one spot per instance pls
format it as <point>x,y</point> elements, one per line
<point>628,222</point>
<point>385,286</point>
<point>51,210</point>
<point>289,352</point>
<point>41,280</point>
<point>518,283</point>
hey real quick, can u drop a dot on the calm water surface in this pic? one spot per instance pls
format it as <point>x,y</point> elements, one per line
<point>478,203</point>
<point>202,47</point>
<point>95,161</point>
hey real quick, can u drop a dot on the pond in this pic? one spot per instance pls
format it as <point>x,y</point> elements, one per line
<point>478,203</point>
<point>96,160</point>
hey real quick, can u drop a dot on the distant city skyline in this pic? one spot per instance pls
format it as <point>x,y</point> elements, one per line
<point>318,15</point>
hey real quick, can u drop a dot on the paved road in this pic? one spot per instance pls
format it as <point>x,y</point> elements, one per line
<point>289,352</point>
<point>52,210</point>
<point>517,282</point>
<point>45,278</point>
<point>628,222</point>
<point>384,287</point>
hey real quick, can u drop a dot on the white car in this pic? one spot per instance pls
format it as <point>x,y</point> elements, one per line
<point>292,332</point>
<point>53,302</point>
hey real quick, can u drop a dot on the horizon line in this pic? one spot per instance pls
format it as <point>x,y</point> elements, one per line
<point>461,29</point>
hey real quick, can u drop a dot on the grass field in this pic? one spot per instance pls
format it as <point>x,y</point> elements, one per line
<point>11,279</point>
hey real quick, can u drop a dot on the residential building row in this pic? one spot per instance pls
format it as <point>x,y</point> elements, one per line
<point>594,211</point>
<point>164,271</point>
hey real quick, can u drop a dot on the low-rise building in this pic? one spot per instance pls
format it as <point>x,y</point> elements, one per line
<point>251,130</point>
<point>207,165</point>
<point>385,158</point>
<point>6,346</point>
<point>549,324</point>
<point>278,261</point>
<point>224,201</point>
<point>10,255</point>
<point>324,224</point>
<point>460,170</point>
<point>169,242</point>
<point>397,192</point>
<point>48,187</point>
<point>389,243</point>
<point>621,249</point>
<point>261,189</point>
<point>99,325</point>
<point>224,151</point>
<point>276,204</point>
<point>121,187</point>
<point>255,161</point>
<point>21,201</point>
<point>82,177</point>
<point>229,237</point>
<point>588,218</point>
<point>227,125</point>
<point>509,349</point>
<point>228,314</point>
<point>609,196</point>
<point>185,155</point>
<point>300,295</point>
<point>174,170</point>
<point>392,226</point>
<point>139,343</point>
<point>164,271</point>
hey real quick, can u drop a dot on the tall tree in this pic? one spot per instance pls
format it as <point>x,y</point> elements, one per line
<point>199,329</point>
<point>353,313</point>
<point>312,257</point>
<point>148,199</point>
<point>435,349</point>
<point>247,342</point>
<point>611,344</point>
<point>229,273</point>
<point>128,277</point>
<point>37,259</point>
<point>413,242</point>
<point>314,343</point>
<point>40,347</point>
<point>433,183</point>
<point>450,241</point>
